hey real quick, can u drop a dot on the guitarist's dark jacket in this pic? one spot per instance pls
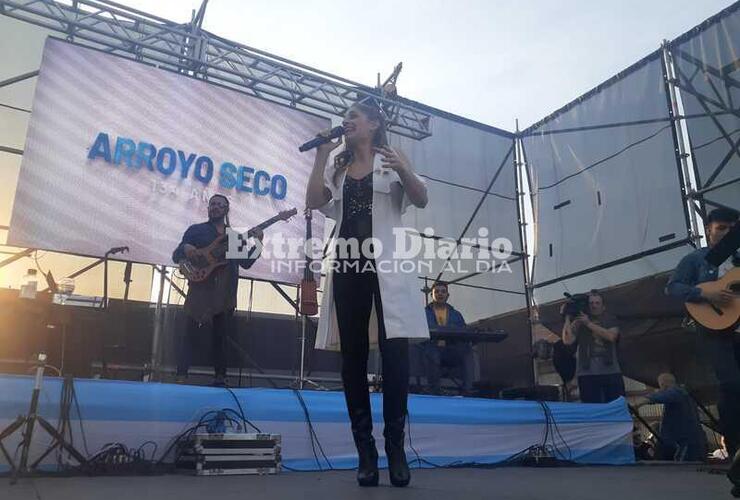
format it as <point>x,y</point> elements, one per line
<point>691,271</point>
<point>216,294</point>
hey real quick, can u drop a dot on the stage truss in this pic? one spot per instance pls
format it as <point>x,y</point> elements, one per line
<point>193,51</point>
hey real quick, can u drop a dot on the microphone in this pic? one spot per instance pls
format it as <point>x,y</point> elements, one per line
<point>117,250</point>
<point>318,141</point>
<point>127,273</point>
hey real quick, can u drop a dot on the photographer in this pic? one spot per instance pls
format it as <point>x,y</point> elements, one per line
<point>596,335</point>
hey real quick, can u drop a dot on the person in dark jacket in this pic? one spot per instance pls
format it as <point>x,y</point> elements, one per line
<point>681,435</point>
<point>434,354</point>
<point>720,349</point>
<point>210,304</point>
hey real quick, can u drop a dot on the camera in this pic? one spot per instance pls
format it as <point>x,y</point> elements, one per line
<point>575,305</point>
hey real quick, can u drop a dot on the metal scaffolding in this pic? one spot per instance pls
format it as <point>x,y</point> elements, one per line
<point>190,50</point>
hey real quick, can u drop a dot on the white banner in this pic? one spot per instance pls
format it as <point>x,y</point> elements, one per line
<point>119,153</point>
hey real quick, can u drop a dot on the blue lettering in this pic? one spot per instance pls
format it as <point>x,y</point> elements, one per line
<point>172,162</point>
<point>100,148</point>
<point>261,174</point>
<point>185,163</point>
<point>227,177</point>
<point>243,178</point>
<point>201,163</point>
<point>125,150</point>
<point>279,187</point>
<point>145,155</point>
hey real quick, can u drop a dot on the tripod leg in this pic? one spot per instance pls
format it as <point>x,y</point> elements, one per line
<point>12,427</point>
<point>44,455</point>
<point>8,458</point>
<point>61,442</point>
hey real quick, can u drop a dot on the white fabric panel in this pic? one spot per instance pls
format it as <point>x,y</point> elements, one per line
<point>703,92</point>
<point>478,303</point>
<point>458,163</point>
<point>613,276</point>
<point>458,152</point>
<point>470,157</point>
<point>630,201</point>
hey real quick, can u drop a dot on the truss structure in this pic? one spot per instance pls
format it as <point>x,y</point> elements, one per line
<point>721,81</point>
<point>193,51</point>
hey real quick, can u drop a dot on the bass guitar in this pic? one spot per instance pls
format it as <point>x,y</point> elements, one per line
<point>199,266</point>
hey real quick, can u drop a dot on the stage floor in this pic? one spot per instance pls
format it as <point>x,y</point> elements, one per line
<point>655,482</point>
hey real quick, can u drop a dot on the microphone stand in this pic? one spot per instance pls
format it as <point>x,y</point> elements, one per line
<point>127,280</point>
<point>120,333</point>
<point>104,304</point>
<point>107,254</point>
<point>302,378</point>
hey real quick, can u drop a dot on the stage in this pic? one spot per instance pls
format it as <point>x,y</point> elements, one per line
<point>657,482</point>
<point>443,431</point>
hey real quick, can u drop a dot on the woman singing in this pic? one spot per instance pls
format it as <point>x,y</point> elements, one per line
<point>366,298</point>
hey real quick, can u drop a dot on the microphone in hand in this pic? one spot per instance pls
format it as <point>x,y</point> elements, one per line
<point>322,139</point>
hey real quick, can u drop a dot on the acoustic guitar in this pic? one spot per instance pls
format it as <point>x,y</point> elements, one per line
<point>715,317</point>
<point>205,260</point>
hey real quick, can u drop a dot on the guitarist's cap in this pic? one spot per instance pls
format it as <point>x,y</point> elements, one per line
<point>723,215</point>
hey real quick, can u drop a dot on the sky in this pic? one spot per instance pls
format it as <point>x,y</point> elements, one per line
<point>491,61</point>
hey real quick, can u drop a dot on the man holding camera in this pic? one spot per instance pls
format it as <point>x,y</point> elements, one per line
<point>597,367</point>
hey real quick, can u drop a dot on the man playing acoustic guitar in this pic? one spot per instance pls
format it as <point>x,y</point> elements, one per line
<point>722,349</point>
<point>210,303</point>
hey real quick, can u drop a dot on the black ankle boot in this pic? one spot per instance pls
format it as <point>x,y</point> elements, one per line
<point>367,471</point>
<point>362,432</point>
<point>398,468</point>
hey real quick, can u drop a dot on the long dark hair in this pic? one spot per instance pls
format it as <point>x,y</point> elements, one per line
<point>372,111</point>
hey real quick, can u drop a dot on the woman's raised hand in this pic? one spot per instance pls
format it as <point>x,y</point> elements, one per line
<point>330,146</point>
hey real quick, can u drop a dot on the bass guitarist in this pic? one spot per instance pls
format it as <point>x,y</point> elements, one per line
<point>210,303</point>
<point>721,349</point>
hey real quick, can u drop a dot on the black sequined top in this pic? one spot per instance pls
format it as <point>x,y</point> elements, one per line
<point>357,220</point>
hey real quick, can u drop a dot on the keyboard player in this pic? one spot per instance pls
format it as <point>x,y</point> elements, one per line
<point>437,353</point>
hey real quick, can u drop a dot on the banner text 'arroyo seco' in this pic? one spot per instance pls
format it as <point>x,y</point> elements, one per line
<point>168,161</point>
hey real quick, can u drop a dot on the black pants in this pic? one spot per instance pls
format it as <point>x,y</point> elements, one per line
<point>691,452</point>
<point>220,329</point>
<point>600,388</point>
<point>354,294</point>
<point>722,352</point>
<point>456,355</point>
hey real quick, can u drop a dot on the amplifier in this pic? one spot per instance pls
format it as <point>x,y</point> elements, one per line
<point>230,454</point>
